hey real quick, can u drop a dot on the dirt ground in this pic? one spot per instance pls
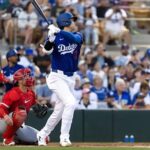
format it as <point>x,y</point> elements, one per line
<point>117,144</point>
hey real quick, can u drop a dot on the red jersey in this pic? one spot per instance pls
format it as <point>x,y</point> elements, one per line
<point>15,97</point>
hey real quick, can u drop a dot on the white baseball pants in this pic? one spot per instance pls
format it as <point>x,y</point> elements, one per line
<point>62,86</point>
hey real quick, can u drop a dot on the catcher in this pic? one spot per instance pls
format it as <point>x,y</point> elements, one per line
<point>14,108</point>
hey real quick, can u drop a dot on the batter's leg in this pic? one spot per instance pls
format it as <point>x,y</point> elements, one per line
<point>65,95</point>
<point>51,123</point>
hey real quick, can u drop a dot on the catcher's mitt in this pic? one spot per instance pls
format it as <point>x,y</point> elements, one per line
<point>40,110</point>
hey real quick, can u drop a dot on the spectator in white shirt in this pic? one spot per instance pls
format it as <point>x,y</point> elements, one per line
<point>114,26</point>
<point>27,22</point>
<point>91,31</point>
<point>86,102</point>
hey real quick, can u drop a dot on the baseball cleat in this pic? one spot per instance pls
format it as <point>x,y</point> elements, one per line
<point>8,142</point>
<point>65,143</point>
<point>41,140</point>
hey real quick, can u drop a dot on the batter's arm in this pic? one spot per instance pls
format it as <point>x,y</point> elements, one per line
<point>48,45</point>
<point>47,48</point>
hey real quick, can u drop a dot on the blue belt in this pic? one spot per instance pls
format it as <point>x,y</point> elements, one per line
<point>65,73</point>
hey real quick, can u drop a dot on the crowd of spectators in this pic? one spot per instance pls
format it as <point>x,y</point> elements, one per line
<point>102,81</point>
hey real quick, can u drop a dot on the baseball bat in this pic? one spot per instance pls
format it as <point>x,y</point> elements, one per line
<point>38,8</point>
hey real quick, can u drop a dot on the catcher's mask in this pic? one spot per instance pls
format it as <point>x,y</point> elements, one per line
<point>24,75</point>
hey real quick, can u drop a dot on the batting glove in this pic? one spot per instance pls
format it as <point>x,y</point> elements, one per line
<point>53,30</point>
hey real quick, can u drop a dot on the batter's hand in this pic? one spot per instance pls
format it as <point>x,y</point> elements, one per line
<point>8,120</point>
<point>53,29</point>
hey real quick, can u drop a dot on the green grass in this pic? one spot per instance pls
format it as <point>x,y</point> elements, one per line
<point>66,148</point>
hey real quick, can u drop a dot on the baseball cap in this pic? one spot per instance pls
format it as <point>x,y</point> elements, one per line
<point>18,48</point>
<point>10,53</point>
<point>29,51</point>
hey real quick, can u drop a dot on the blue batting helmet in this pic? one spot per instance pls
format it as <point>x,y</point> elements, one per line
<point>65,19</point>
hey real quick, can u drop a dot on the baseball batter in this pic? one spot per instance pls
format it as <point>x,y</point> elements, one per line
<point>14,107</point>
<point>65,48</point>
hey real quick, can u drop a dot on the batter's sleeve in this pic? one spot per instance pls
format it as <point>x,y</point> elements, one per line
<point>72,37</point>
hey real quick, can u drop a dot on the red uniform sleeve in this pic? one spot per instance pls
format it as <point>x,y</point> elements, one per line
<point>9,98</point>
<point>3,78</point>
<point>7,101</point>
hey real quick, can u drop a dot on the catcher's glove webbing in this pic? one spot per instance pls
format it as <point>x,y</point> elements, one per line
<point>40,110</point>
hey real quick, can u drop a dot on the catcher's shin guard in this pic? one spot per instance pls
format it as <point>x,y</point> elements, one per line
<point>18,117</point>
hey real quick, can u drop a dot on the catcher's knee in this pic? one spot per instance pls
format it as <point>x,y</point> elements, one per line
<point>19,116</point>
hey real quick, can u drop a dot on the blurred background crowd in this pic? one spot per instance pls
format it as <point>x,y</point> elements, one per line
<point>113,71</point>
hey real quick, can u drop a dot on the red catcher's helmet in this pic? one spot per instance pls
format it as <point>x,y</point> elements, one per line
<point>25,74</point>
<point>18,75</point>
<point>21,74</point>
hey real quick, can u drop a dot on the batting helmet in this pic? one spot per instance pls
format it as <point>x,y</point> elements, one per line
<point>65,19</point>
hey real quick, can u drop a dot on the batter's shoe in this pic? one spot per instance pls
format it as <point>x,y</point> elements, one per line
<point>9,142</point>
<point>65,143</point>
<point>42,141</point>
